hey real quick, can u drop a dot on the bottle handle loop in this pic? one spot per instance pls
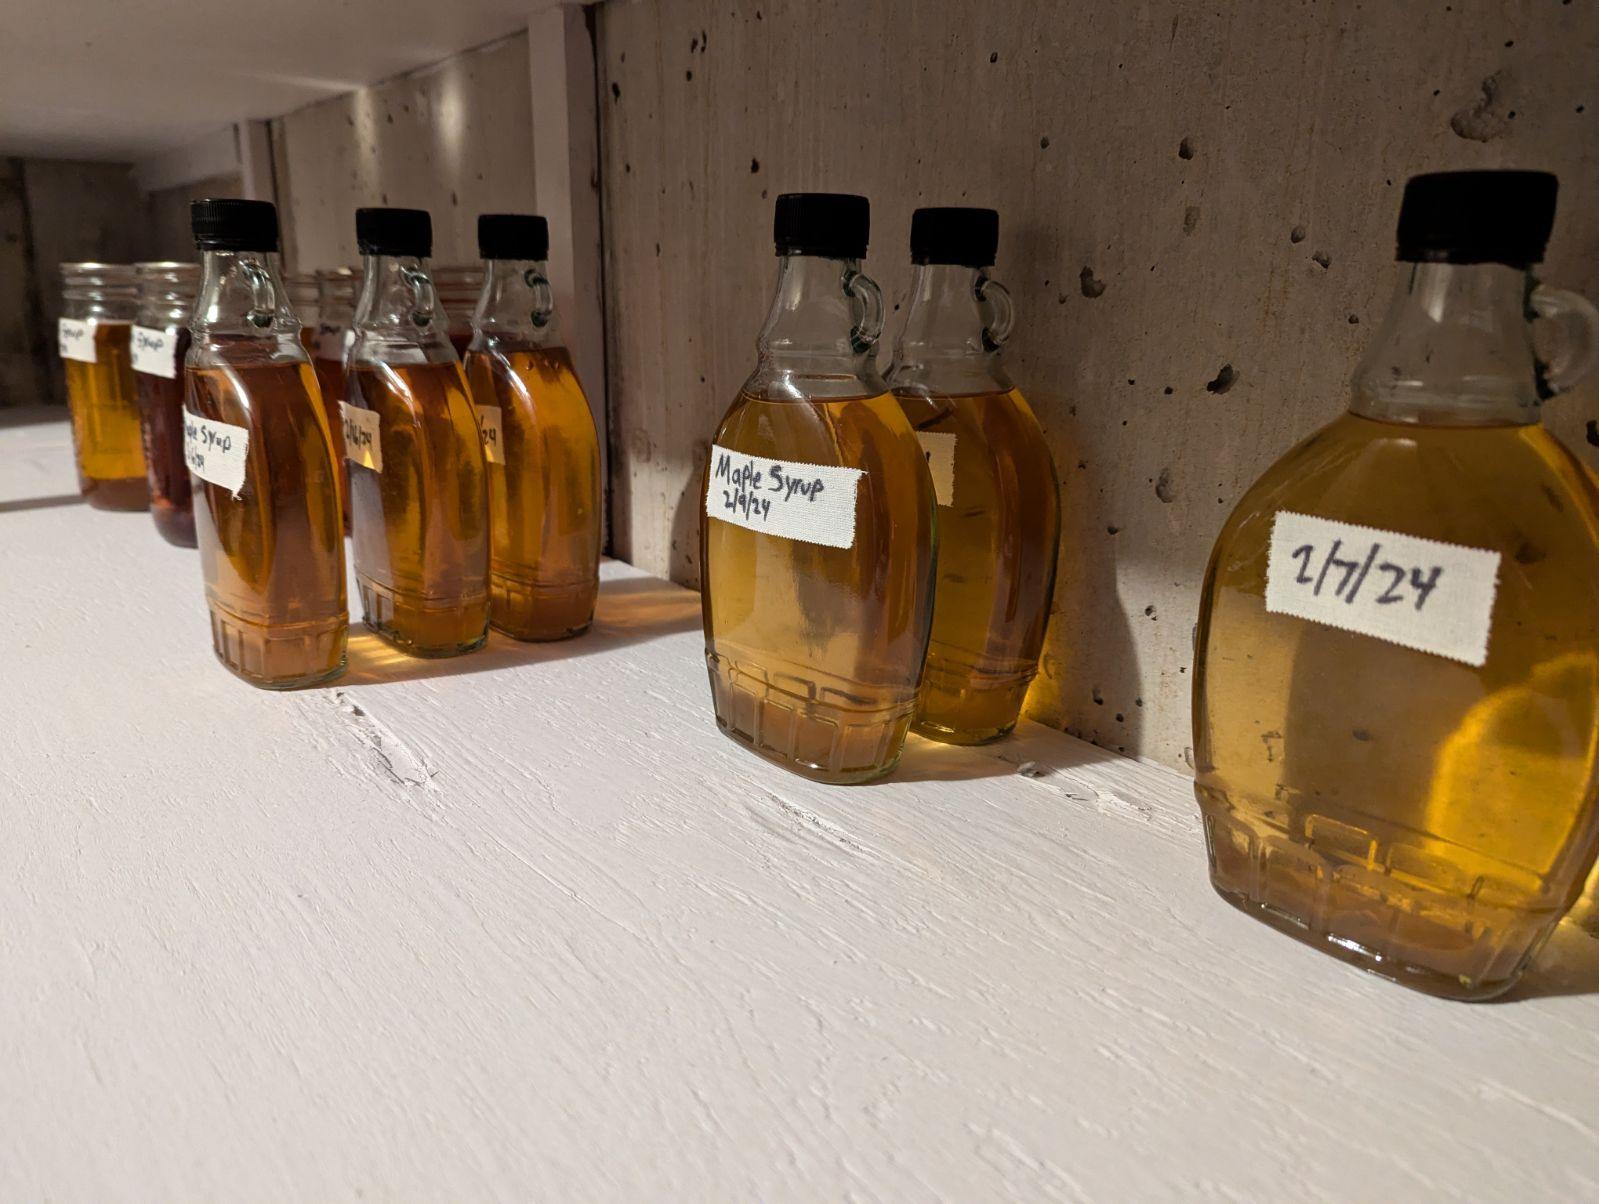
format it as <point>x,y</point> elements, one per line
<point>263,297</point>
<point>1578,353</point>
<point>1001,313</point>
<point>866,310</point>
<point>543,297</point>
<point>424,300</point>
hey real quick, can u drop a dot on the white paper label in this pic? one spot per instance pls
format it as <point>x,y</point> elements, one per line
<point>332,342</point>
<point>814,503</point>
<point>1420,593</point>
<point>488,429</point>
<point>155,352</point>
<point>76,339</point>
<point>940,449</point>
<point>362,442</point>
<point>216,451</point>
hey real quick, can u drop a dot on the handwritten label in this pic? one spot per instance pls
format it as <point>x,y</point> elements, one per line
<point>76,340</point>
<point>155,352</point>
<point>813,503</point>
<point>216,451</point>
<point>488,429</point>
<point>1420,593</point>
<point>332,342</point>
<point>940,449</point>
<point>363,444</point>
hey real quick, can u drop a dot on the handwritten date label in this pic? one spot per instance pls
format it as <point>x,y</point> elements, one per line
<point>216,451</point>
<point>488,429</point>
<point>75,339</point>
<point>1420,593</point>
<point>155,352</point>
<point>939,447</point>
<point>363,443</point>
<point>813,503</point>
<point>332,342</point>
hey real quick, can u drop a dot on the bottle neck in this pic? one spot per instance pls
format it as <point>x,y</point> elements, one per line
<point>99,292</point>
<point>516,309</point>
<point>335,299</point>
<point>1455,349</point>
<point>821,332</point>
<point>241,296</point>
<point>170,308</point>
<point>399,308</point>
<point>957,320</point>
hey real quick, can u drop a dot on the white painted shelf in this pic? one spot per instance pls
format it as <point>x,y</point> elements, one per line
<point>525,926</point>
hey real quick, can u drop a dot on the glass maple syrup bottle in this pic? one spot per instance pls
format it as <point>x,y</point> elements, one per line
<point>95,338</point>
<point>459,286</point>
<point>266,512</point>
<point>304,299</point>
<point>818,538</point>
<point>335,309</point>
<point>1396,702</point>
<point>160,345</point>
<point>539,442</point>
<point>418,498</point>
<point>993,476</point>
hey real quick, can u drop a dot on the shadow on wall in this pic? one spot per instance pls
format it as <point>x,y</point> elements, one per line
<point>1089,688</point>
<point>687,516</point>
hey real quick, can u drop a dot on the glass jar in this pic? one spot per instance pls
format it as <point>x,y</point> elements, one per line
<point>540,447</point>
<point>459,286</point>
<point>303,300</point>
<point>160,346</point>
<point>818,537</point>
<point>1396,695</point>
<point>418,496</point>
<point>998,497</point>
<point>266,510</point>
<point>95,337</point>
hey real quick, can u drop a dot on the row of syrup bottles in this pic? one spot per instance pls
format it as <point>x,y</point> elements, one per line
<point>468,504</point>
<point>1396,696</point>
<point>877,554</point>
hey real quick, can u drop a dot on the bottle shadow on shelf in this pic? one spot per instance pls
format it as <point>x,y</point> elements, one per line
<point>1567,965</point>
<point>1032,751</point>
<point>40,503</point>
<point>629,611</point>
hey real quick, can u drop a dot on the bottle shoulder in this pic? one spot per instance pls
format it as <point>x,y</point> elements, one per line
<point>818,430</point>
<point>949,376</point>
<point>276,349</point>
<point>1479,486</point>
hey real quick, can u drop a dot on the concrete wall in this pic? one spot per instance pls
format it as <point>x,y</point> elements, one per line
<point>24,370</point>
<point>1197,210</point>
<point>166,215</point>
<point>454,139</point>
<point>52,211</point>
